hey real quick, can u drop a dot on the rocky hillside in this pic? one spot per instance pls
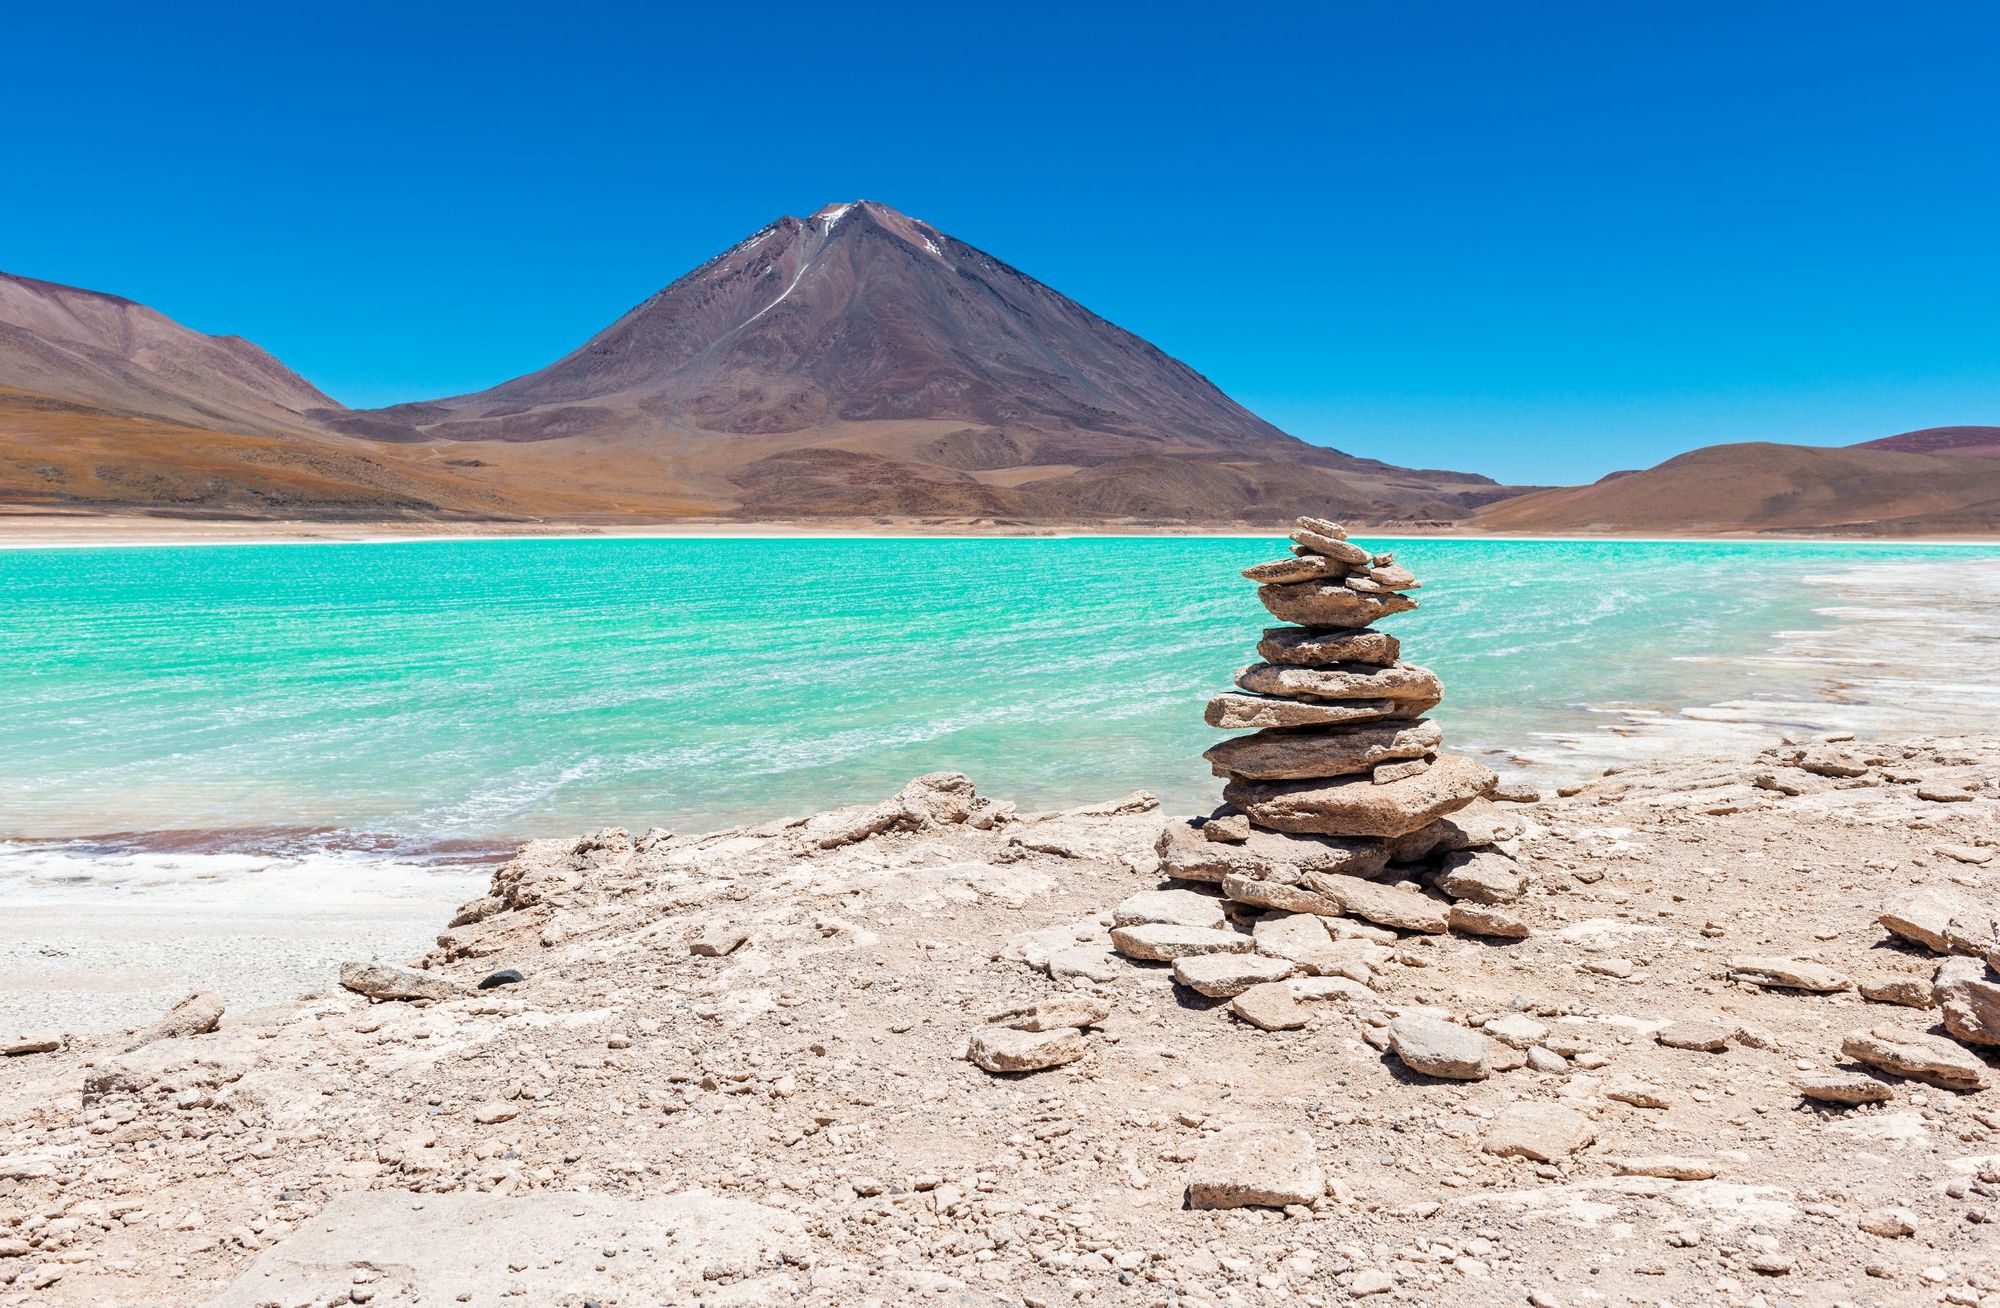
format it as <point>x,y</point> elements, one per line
<point>1737,1057</point>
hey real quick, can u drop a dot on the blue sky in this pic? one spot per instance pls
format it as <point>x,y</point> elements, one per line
<point>1540,241</point>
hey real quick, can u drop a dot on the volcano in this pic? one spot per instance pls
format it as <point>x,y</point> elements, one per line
<point>862,362</point>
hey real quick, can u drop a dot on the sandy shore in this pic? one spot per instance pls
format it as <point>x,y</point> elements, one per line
<point>40,530</point>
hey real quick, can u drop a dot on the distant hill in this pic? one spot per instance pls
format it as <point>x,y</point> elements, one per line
<point>862,362</point>
<point>1966,442</point>
<point>1760,487</point>
<point>104,350</point>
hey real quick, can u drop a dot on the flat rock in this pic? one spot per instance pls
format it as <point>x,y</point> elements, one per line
<point>1638,1093</point>
<point>1402,682</point>
<point>547,1247</point>
<point>1271,1007</point>
<point>1318,536</point>
<point>1516,1030</point>
<point>1231,711</point>
<point>1924,917</point>
<point>1917,1055</point>
<point>1330,604</point>
<point>1848,1088</point>
<point>198,1014</point>
<point>1474,919</point>
<point>1068,1011</point>
<point>1485,876</point>
<point>1171,907</point>
<point>1542,1131</point>
<point>1434,1047</point>
<point>393,981</point>
<point>1162,942</point>
<point>1304,939</point>
<point>1224,976</point>
<point>1186,855</point>
<point>1671,1167</point>
<point>1909,991</point>
<point>1389,906</point>
<point>1976,855</point>
<point>1290,754</point>
<point>1356,806</point>
<point>1252,1166</point>
<point>1005,1050</point>
<point>44,1042</point>
<point>1232,829</point>
<point>1936,792</point>
<point>718,940</point>
<point>1706,1037</point>
<point>1478,825</point>
<point>1311,648</point>
<point>1089,962</point>
<point>1299,567</point>
<point>1788,974</point>
<point>1970,998</point>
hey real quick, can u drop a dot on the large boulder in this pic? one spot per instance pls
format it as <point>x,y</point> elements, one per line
<point>1359,806</point>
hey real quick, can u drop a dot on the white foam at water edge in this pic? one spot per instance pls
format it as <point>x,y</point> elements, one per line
<point>80,872</point>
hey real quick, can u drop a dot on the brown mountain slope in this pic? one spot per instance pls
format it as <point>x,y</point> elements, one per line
<point>60,454</point>
<point>1965,442</point>
<point>109,352</point>
<point>1767,487</point>
<point>860,361</point>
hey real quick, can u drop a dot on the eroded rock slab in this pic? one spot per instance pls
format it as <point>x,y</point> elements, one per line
<point>539,1248</point>
<point>1251,1166</point>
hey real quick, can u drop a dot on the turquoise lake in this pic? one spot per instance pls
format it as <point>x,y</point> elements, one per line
<point>410,695</point>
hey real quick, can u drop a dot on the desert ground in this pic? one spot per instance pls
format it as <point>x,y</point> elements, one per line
<point>737,1068</point>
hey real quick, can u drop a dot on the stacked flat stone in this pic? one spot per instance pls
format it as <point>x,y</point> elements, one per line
<point>1343,776</point>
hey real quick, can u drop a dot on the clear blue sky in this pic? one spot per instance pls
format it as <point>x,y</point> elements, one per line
<point>1540,241</point>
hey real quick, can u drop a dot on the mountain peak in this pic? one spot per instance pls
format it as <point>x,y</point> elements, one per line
<point>859,356</point>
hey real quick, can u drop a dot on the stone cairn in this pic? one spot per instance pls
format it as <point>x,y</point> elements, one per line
<point>1340,804</point>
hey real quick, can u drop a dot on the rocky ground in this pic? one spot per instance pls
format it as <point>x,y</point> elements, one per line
<point>734,1070</point>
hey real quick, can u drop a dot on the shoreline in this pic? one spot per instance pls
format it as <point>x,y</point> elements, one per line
<point>24,531</point>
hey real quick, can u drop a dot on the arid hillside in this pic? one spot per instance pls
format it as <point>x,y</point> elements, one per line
<point>1860,490</point>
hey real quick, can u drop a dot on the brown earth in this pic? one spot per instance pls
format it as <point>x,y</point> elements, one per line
<point>1965,442</point>
<point>1766,487</point>
<point>735,1072</point>
<point>108,352</point>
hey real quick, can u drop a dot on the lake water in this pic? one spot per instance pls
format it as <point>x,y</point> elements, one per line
<point>186,711</point>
